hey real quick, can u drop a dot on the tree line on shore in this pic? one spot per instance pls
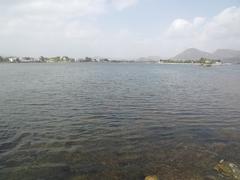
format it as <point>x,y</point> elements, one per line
<point>62,59</point>
<point>41,59</point>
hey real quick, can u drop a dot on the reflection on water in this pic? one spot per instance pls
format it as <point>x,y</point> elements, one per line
<point>117,121</point>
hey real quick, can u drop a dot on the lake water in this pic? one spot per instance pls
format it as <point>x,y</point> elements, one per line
<point>117,121</point>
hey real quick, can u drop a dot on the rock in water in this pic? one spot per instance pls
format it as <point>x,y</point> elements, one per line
<point>228,169</point>
<point>151,178</point>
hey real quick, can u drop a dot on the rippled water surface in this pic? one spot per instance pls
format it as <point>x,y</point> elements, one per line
<point>117,121</point>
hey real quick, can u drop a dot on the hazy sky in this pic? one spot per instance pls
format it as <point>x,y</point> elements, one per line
<point>117,28</point>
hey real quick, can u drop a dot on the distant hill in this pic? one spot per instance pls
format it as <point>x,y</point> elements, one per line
<point>192,54</point>
<point>149,58</point>
<point>225,55</point>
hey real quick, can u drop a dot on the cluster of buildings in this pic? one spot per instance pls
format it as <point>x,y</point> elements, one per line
<point>41,59</point>
<point>66,59</point>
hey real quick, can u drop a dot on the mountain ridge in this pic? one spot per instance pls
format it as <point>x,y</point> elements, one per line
<point>225,55</point>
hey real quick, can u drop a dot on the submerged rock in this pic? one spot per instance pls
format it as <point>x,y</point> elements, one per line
<point>228,169</point>
<point>151,178</point>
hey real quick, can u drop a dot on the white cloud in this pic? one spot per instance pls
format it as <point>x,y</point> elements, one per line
<point>198,21</point>
<point>81,31</point>
<point>122,4</point>
<point>180,28</point>
<point>62,23</point>
<point>29,17</point>
<point>37,13</point>
<point>72,27</point>
<point>59,8</point>
<point>62,8</point>
<point>225,25</point>
<point>223,30</point>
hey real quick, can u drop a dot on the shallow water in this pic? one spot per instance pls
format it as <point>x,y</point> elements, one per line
<point>117,121</point>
